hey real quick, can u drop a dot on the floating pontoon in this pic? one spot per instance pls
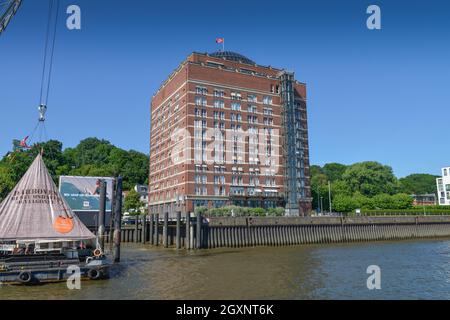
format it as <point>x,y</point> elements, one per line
<point>41,239</point>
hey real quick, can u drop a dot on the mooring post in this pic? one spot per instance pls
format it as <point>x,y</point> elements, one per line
<point>178,235</point>
<point>111,217</point>
<point>187,240</point>
<point>156,229</point>
<point>117,219</point>
<point>144,228</point>
<point>165,230</point>
<point>150,235</point>
<point>101,216</point>
<point>199,231</point>
<point>191,235</point>
<point>136,229</point>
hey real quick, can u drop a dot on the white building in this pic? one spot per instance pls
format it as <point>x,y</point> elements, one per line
<point>443,187</point>
<point>143,191</point>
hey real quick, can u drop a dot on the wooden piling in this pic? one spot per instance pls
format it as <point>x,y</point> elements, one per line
<point>187,240</point>
<point>156,229</point>
<point>144,229</point>
<point>165,230</point>
<point>178,234</point>
<point>117,220</point>
<point>150,231</point>
<point>101,216</point>
<point>136,228</point>
<point>198,231</point>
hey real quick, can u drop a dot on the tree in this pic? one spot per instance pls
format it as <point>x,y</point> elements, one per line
<point>402,201</point>
<point>6,181</point>
<point>418,184</point>
<point>91,151</point>
<point>319,186</point>
<point>344,203</point>
<point>370,178</point>
<point>382,201</point>
<point>133,166</point>
<point>133,204</point>
<point>315,170</point>
<point>334,171</point>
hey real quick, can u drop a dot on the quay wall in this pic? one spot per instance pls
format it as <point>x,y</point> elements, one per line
<point>238,232</point>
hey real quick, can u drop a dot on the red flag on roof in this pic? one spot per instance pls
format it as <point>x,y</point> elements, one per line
<point>220,40</point>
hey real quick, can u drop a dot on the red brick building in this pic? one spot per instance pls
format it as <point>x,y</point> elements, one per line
<point>224,131</point>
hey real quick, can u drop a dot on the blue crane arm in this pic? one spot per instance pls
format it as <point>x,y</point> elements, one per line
<point>6,15</point>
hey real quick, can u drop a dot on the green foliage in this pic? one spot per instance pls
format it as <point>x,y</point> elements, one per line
<point>370,178</point>
<point>6,181</point>
<point>418,184</point>
<point>365,185</point>
<point>345,203</point>
<point>228,211</point>
<point>334,171</point>
<point>412,212</point>
<point>342,203</point>
<point>402,201</point>
<point>133,204</point>
<point>201,210</point>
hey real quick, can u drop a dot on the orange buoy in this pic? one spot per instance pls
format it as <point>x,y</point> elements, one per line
<point>97,253</point>
<point>63,225</point>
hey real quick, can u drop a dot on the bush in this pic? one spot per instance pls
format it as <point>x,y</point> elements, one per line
<point>345,204</point>
<point>201,210</point>
<point>415,212</point>
<point>276,212</point>
<point>257,212</point>
<point>378,202</point>
<point>240,211</point>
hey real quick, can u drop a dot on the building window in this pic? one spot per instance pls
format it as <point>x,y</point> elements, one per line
<point>267,100</point>
<point>252,98</point>
<point>219,93</point>
<point>220,104</point>
<point>201,90</point>
<point>252,108</point>
<point>268,121</point>
<point>236,106</point>
<point>236,96</point>
<point>200,101</point>
<point>268,111</point>
<point>252,119</point>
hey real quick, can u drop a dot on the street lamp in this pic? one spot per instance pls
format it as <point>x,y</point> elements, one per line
<point>329,194</point>
<point>321,204</point>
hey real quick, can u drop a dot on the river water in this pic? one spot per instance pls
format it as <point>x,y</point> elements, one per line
<point>409,270</point>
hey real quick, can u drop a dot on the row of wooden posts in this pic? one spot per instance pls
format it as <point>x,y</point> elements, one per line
<point>179,233</point>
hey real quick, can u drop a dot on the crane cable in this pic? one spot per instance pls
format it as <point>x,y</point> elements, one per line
<point>47,68</point>
<point>45,85</point>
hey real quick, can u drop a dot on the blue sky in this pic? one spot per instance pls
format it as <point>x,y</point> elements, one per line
<point>372,95</point>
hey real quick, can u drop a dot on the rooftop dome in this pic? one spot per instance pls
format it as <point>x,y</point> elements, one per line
<point>232,56</point>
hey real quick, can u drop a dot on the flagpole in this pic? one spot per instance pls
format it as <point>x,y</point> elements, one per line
<point>223,45</point>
